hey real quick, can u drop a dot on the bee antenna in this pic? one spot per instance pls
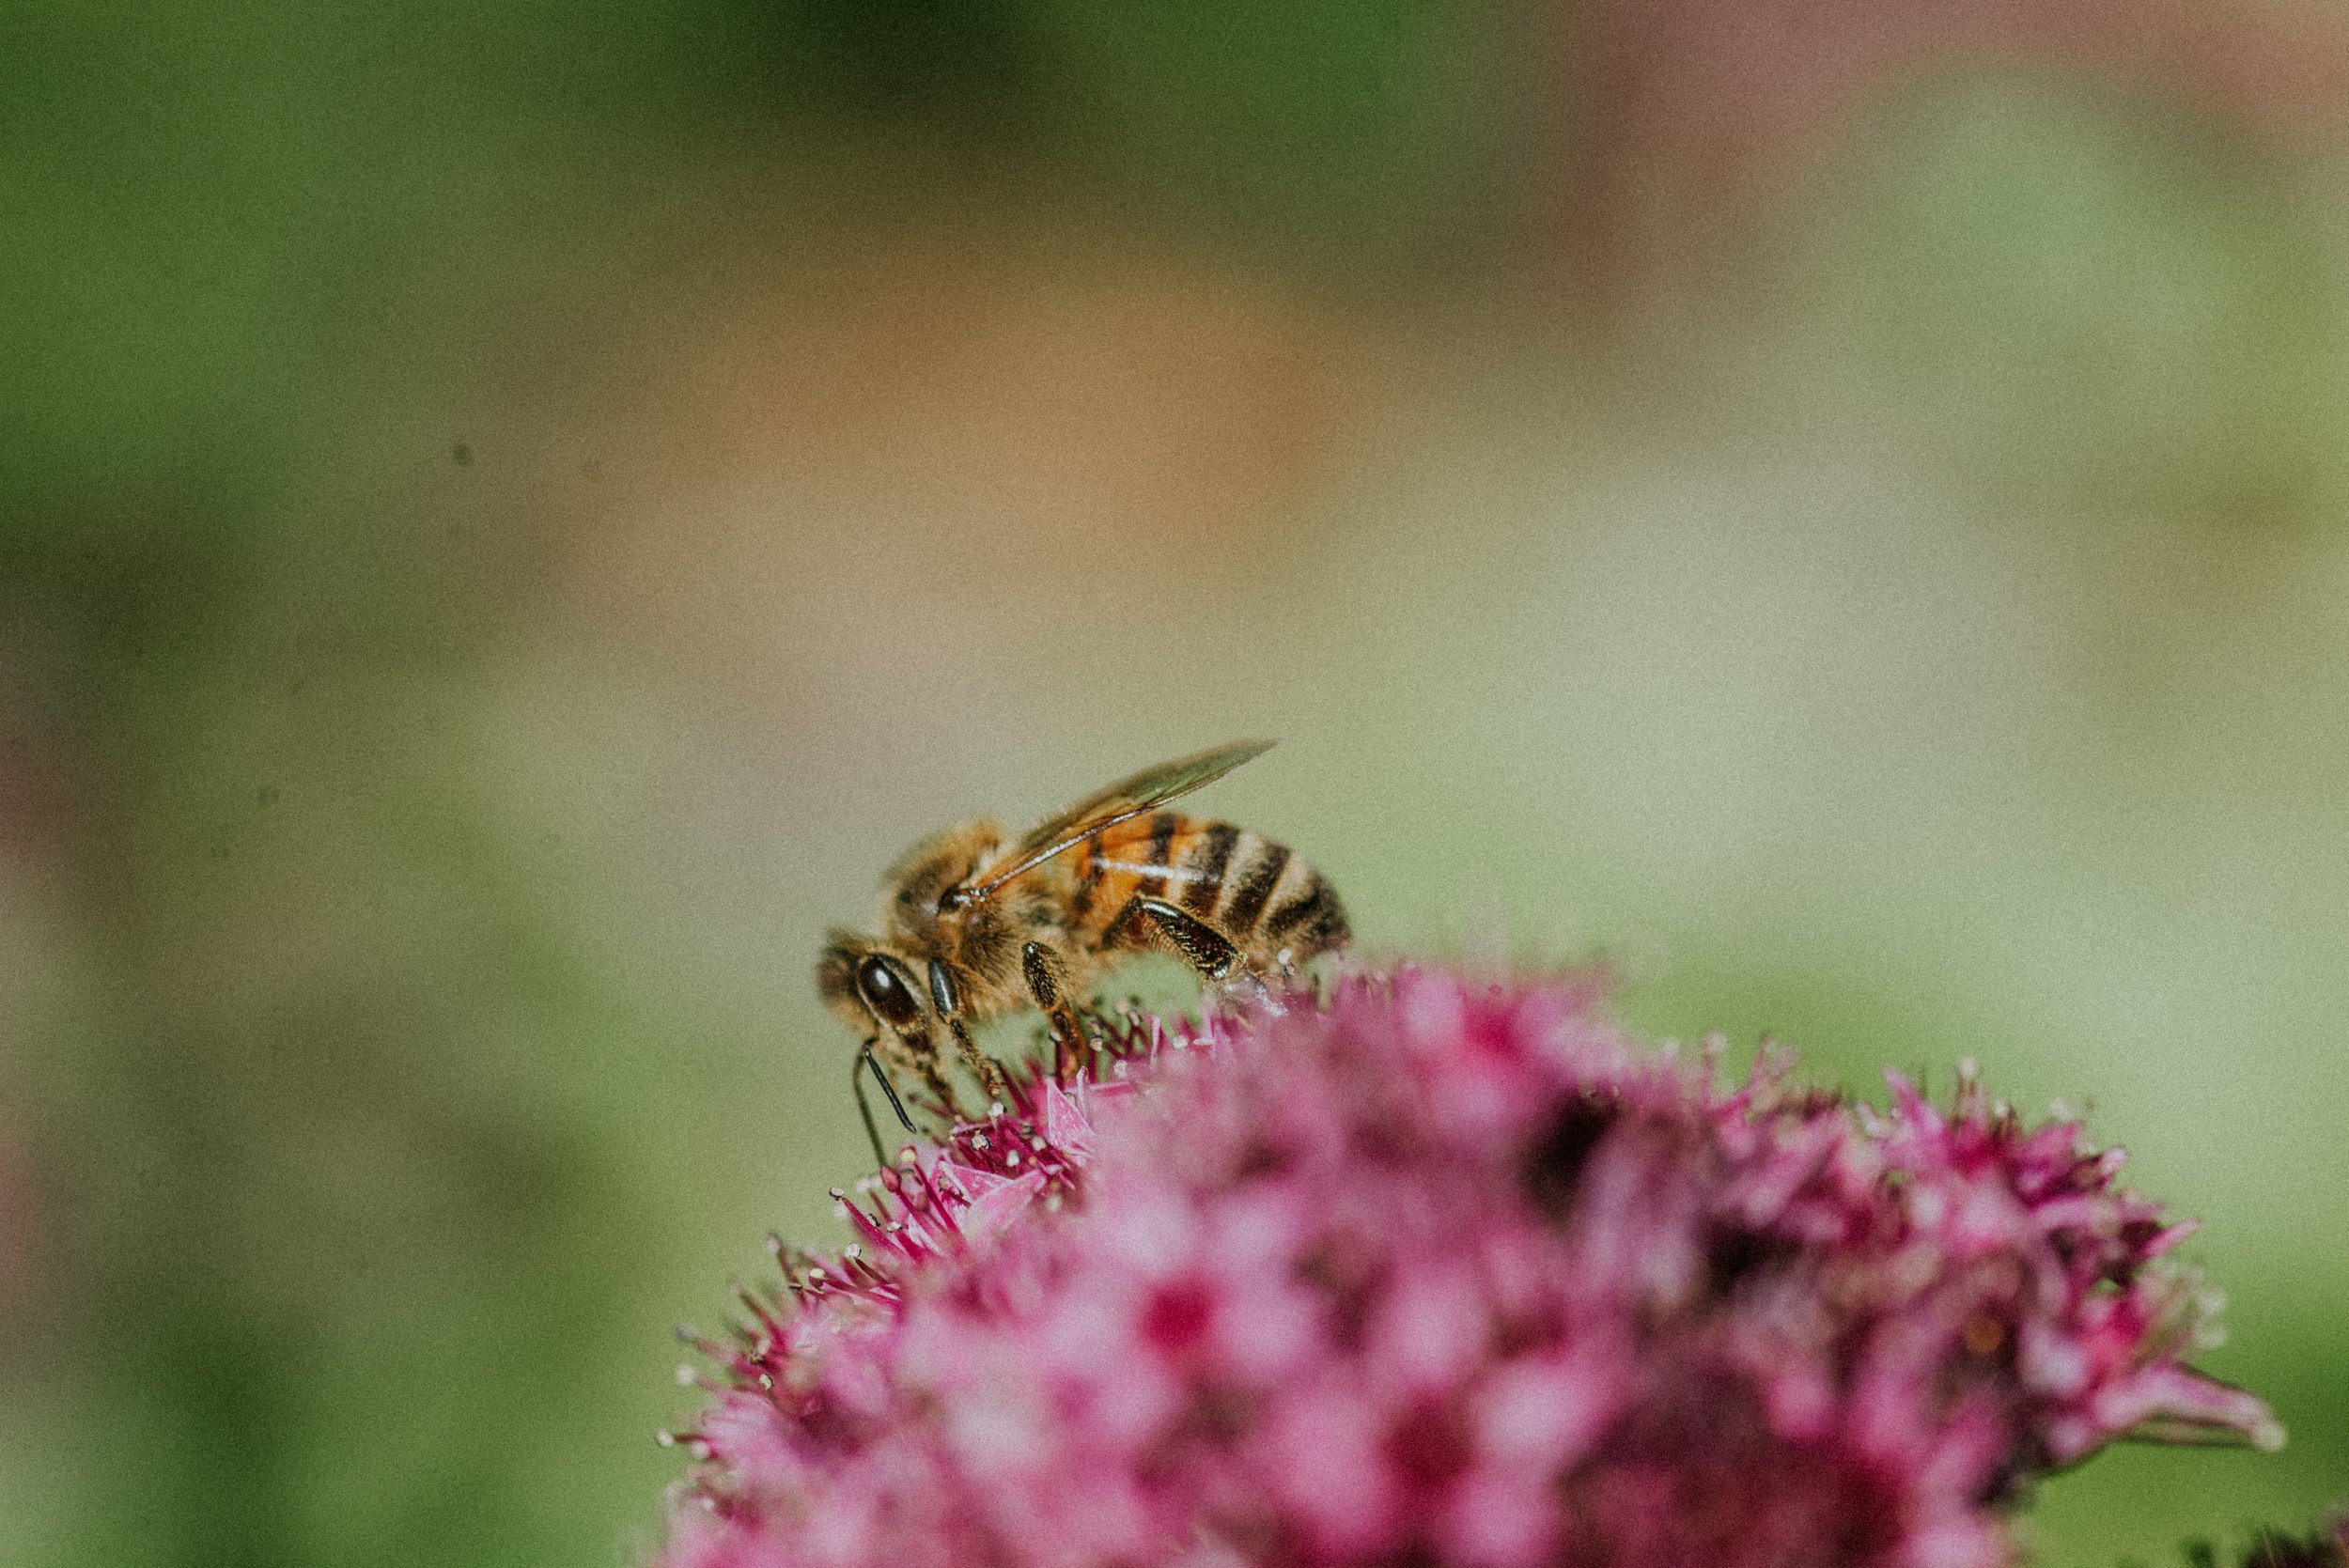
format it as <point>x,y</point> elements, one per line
<point>866,1061</point>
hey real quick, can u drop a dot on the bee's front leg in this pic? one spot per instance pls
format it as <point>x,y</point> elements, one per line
<point>921,1051</point>
<point>991,1080</point>
<point>947,1000</point>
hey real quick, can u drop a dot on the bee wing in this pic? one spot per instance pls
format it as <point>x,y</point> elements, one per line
<point>1106,807</point>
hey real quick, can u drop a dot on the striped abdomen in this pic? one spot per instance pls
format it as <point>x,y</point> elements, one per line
<point>1271,904</point>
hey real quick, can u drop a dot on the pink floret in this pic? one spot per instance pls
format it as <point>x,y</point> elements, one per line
<point>1444,1271</point>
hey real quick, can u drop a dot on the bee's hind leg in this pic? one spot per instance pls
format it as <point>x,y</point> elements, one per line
<point>1214,956</point>
<point>1206,950</point>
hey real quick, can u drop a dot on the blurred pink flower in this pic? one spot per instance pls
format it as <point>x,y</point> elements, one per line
<point>1440,1271</point>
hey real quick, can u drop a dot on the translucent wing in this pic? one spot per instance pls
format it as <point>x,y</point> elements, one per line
<point>1105,808</point>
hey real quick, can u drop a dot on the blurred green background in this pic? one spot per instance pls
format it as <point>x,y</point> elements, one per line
<point>510,515</point>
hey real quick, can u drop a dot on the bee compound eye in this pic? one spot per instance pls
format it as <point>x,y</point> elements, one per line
<point>886,993</point>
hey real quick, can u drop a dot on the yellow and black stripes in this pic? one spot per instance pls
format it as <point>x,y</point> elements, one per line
<point>1214,857</point>
<point>1251,886</point>
<point>1271,904</point>
<point>1311,922</point>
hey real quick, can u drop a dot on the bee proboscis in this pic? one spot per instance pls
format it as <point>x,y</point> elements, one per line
<point>976,925</point>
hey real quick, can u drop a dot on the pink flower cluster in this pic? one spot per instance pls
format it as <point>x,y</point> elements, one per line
<point>1443,1271</point>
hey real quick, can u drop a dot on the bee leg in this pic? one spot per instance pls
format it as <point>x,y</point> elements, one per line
<point>923,1052</point>
<point>947,1000</point>
<point>991,1080</point>
<point>1205,949</point>
<point>1046,985</point>
<point>867,1063</point>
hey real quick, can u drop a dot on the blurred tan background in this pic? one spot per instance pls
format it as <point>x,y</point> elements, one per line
<point>510,517</point>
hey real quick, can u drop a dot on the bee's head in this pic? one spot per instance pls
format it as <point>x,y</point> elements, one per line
<point>865,985</point>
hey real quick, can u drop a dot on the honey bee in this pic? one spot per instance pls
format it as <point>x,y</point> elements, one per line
<point>975,924</point>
